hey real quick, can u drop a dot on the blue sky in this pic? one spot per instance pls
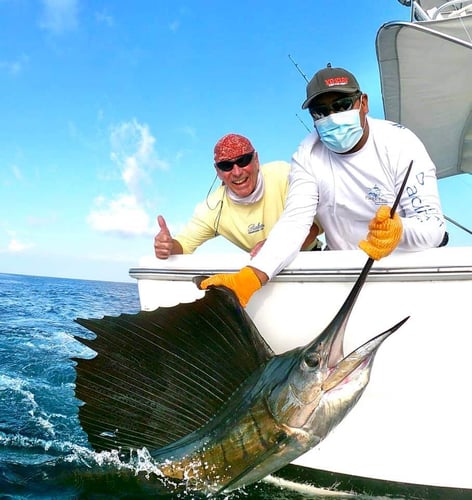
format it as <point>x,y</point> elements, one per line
<point>111,109</point>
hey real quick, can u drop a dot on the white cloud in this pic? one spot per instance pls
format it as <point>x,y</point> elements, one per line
<point>16,246</point>
<point>14,67</point>
<point>17,172</point>
<point>10,243</point>
<point>132,150</point>
<point>133,139</point>
<point>122,216</point>
<point>59,16</point>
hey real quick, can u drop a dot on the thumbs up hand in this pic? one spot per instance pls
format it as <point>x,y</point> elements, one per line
<point>163,241</point>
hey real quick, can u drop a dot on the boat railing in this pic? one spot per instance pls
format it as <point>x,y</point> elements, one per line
<point>454,8</point>
<point>432,10</point>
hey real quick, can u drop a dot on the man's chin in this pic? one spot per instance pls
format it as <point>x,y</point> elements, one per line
<point>241,190</point>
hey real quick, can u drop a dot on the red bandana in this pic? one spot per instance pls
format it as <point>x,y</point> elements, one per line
<point>231,146</point>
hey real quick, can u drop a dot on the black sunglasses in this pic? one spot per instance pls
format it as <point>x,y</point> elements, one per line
<point>318,111</point>
<point>241,161</point>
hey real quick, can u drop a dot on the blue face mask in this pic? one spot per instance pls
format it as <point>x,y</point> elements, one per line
<point>340,132</point>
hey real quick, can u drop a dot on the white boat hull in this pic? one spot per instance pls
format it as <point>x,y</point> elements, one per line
<point>412,425</point>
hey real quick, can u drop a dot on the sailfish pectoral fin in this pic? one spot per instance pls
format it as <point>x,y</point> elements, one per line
<point>251,467</point>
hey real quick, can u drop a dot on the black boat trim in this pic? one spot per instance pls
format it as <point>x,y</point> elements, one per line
<point>344,483</point>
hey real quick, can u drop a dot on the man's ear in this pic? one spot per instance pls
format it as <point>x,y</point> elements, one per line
<point>365,103</point>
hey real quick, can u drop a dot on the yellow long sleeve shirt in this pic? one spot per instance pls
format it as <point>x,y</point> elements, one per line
<point>243,225</point>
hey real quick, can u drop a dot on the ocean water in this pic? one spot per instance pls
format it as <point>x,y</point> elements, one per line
<point>43,449</point>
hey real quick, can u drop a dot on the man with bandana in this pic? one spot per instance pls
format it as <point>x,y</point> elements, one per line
<point>347,173</point>
<point>243,209</point>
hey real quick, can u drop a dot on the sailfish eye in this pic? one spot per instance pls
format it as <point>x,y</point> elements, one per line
<point>312,360</point>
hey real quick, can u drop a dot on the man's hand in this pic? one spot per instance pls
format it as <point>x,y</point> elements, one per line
<point>243,283</point>
<point>384,234</point>
<point>163,242</point>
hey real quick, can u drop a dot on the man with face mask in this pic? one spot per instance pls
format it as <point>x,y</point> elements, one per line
<point>347,173</point>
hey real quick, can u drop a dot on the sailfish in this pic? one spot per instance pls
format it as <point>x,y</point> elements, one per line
<point>198,387</point>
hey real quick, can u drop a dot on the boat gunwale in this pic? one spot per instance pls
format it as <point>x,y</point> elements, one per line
<point>428,273</point>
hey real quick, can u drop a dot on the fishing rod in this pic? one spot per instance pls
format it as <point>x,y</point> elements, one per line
<point>298,68</point>
<point>306,80</point>
<point>303,123</point>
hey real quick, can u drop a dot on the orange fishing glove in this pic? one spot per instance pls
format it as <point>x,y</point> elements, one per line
<point>384,234</point>
<point>243,283</point>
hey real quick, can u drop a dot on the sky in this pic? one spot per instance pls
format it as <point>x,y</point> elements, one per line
<point>111,109</point>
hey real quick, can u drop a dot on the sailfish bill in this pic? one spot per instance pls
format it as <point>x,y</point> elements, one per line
<point>197,385</point>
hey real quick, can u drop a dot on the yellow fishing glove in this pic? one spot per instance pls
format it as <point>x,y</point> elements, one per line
<point>243,283</point>
<point>384,234</point>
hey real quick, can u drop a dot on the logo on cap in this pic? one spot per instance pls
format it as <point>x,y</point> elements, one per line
<point>339,80</point>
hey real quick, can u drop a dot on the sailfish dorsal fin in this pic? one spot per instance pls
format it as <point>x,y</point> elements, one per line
<point>161,375</point>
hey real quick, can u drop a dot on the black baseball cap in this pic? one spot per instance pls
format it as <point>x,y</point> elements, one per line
<point>330,80</point>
